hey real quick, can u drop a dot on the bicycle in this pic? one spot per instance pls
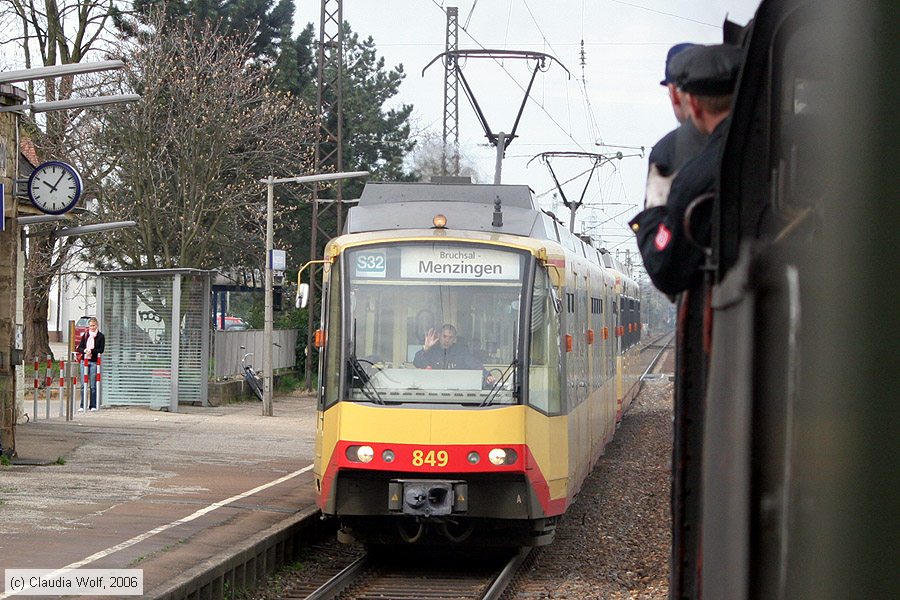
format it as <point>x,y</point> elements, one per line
<point>251,377</point>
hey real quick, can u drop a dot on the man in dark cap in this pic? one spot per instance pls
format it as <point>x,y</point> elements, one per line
<point>672,261</point>
<point>684,142</point>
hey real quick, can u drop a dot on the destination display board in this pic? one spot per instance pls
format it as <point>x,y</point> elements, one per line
<point>435,262</point>
<point>454,262</point>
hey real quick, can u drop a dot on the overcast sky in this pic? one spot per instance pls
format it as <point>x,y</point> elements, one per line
<point>625,44</point>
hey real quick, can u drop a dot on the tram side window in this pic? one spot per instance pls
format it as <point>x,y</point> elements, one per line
<point>333,339</point>
<point>543,373</point>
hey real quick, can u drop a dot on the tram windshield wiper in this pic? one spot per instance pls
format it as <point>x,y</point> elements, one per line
<point>498,385</point>
<point>358,373</point>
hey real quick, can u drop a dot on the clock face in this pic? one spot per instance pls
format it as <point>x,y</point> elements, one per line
<point>54,187</point>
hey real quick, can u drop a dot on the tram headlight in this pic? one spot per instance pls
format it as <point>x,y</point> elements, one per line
<point>502,456</point>
<point>439,221</point>
<point>365,454</point>
<point>473,458</point>
<point>388,456</point>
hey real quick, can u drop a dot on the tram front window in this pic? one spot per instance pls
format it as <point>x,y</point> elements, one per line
<point>432,323</point>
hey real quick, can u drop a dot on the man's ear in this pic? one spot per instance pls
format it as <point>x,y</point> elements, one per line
<point>696,110</point>
<point>676,99</point>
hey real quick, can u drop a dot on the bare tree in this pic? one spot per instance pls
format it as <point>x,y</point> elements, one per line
<point>427,159</point>
<point>182,163</point>
<point>51,32</point>
<point>186,158</point>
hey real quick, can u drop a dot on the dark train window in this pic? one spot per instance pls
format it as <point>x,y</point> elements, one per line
<point>596,306</point>
<point>803,88</point>
<point>570,302</point>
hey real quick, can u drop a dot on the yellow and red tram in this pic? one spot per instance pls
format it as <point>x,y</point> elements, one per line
<point>549,326</point>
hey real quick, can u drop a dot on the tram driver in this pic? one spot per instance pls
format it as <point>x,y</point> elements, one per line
<point>440,351</point>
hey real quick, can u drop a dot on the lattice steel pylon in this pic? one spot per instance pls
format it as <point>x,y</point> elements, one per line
<point>451,95</point>
<point>329,152</point>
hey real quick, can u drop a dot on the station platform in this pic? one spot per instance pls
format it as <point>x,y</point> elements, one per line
<point>153,490</point>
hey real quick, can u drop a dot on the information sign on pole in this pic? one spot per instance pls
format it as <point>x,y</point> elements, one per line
<point>277,260</point>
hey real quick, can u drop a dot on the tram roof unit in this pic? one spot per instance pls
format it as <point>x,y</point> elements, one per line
<point>391,206</point>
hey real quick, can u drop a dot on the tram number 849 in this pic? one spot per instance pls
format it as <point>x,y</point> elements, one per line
<point>431,458</point>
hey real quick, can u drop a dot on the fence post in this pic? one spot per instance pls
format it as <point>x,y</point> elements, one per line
<point>36,368</point>
<point>86,386</point>
<point>62,388</point>
<point>47,383</point>
<point>99,360</point>
<point>72,368</point>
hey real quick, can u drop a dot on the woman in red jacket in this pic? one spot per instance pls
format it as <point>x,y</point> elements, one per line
<point>90,347</point>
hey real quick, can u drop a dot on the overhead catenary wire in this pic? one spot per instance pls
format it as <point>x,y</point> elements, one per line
<point>668,14</point>
<point>590,118</point>
<point>516,81</point>
<point>592,125</point>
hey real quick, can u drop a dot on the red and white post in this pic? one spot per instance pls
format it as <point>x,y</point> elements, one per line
<point>86,386</point>
<point>47,383</point>
<point>99,360</point>
<point>73,365</point>
<point>36,367</point>
<point>62,388</point>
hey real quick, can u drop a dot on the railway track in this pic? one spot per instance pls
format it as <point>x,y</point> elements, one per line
<point>660,344</point>
<point>252,563</point>
<point>405,574</point>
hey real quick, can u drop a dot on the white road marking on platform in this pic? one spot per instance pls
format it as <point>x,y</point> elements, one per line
<point>140,538</point>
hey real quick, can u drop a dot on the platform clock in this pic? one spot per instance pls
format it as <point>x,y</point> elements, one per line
<point>54,187</point>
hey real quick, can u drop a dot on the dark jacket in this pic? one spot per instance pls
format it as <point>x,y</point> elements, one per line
<point>455,357</point>
<point>99,345</point>
<point>677,147</point>
<point>672,262</point>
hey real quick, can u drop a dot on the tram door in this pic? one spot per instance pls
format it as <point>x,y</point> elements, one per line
<point>579,437</point>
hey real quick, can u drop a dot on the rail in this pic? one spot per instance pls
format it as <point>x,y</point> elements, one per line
<point>506,575</point>
<point>369,578</point>
<point>662,348</point>
<point>337,584</point>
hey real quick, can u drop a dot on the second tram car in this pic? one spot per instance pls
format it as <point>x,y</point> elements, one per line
<point>533,340</point>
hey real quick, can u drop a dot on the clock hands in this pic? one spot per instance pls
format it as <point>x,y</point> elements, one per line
<point>54,197</point>
<point>53,186</point>
<point>63,174</point>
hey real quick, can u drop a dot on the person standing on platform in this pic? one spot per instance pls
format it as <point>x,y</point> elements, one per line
<point>90,347</point>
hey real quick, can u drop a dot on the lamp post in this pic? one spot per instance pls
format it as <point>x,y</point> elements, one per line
<point>268,332</point>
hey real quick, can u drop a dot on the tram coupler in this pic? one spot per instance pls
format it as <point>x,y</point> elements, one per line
<point>425,498</point>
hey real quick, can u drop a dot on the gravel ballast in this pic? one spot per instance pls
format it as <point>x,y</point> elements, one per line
<point>614,541</point>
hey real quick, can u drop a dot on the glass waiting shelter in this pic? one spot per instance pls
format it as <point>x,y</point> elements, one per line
<point>157,329</point>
